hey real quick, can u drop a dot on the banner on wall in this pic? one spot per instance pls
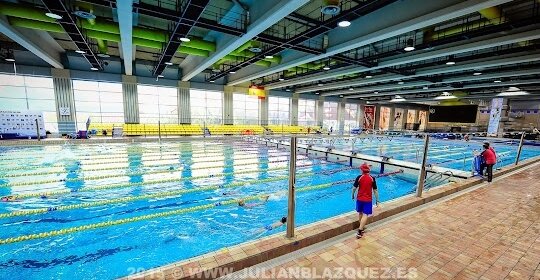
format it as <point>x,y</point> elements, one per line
<point>22,123</point>
<point>369,116</point>
<point>398,118</point>
<point>257,91</point>
<point>495,115</point>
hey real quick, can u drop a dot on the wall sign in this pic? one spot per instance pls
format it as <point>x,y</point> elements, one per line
<point>64,111</point>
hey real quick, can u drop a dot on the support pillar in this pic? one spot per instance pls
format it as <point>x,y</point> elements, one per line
<point>294,109</point>
<point>184,104</point>
<point>391,120</point>
<point>377,120</point>
<point>65,101</point>
<point>341,117</point>
<point>319,111</point>
<point>263,112</point>
<point>405,117</point>
<point>131,99</point>
<point>228,117</point>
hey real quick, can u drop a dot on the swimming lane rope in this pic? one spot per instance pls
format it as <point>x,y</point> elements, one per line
<point>150,216</point>
<point>150,196</point>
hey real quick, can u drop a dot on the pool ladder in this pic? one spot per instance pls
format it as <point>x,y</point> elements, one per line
<point>437,178</point>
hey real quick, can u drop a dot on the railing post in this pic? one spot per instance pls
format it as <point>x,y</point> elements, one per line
<point>520,147</point>
<point>159,130</point>
<point>422,175</point>
<point>292,182</point>
<point>37,128</point>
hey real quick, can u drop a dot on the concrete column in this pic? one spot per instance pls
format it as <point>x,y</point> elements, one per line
<point>341,116</point>
<point>294,109</point>
<point>377,120</point>
<point>131,99</point>
<point>404,122</point>
<point>263,111</point>
<point>361,116</point>
<point>228,117</point>
<point>319,111</point>
<point>184,104</point>
<point>392,116</point>
<point>65,101</point>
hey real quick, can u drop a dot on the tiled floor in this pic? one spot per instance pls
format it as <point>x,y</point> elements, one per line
<point>490,233</point>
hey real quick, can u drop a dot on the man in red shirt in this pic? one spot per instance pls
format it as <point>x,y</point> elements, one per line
<point>364,188</point>
<point>490,159</point>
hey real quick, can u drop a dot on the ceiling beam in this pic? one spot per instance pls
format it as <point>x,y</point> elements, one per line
<point>407,16</point>
<point>479,44</point>
<point>9,31</point>
<point>73,31</point>
<point>312,32</point>
<point>192,11</point>
<point>125,22</point>
<point>449,88</point>
<point>270,13</point>
<point>472,65</point>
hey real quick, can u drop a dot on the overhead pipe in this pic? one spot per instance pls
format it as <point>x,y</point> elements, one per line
<point>53,27</point>
<point>13,10</point>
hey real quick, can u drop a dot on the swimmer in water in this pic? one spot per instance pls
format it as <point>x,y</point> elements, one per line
<point>270,227</point>
<point>8,198</point>
<point>242,203</point>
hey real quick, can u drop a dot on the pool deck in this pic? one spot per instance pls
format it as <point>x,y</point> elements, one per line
<point>427,240</point>
<point>492,232</point>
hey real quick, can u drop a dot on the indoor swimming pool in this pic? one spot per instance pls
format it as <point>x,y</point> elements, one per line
<point>454,154</point>
<point>102,211</point>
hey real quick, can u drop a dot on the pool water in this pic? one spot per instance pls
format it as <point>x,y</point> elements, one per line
<point>78,192</point>
<point>455,154</point>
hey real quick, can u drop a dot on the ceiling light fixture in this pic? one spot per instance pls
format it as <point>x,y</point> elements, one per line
<point>269,56</point>
<point>344,23</point>
<point>232,72</point>
<point>160,76</point>
<point>425,87</point>
<point>281,79</point>
<point>320,84</point>
<point>477,73</point>
<point>401,82</point>
<point>212,81</point>
<point>287,89</point>
<point>369,76</point>
<point>9,57</point>
<point>450,60</point>
<point>445,96</point>
<point>341,95</point>
<point>94,69</point>
<point>351,88</point>
<point>53,15</point>
<point>410,45</point>
<point>326,68</point>
<point>317,93</point>
<point>103,55</point>
<point>80,52</point>
<point>397,98</point>
<point>168,63</point>
<point>513,91</point>
<point>185,39</point>
<point>497,81</point>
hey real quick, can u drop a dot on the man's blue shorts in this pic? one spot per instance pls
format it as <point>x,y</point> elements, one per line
<point>365,207</point>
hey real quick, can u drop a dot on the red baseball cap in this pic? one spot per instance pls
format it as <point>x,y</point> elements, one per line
<point>365,167</point>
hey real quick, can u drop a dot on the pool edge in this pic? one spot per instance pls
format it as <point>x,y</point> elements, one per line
<point>218,263</point>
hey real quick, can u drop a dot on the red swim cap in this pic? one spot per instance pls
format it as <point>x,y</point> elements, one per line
<point>365,168</point>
